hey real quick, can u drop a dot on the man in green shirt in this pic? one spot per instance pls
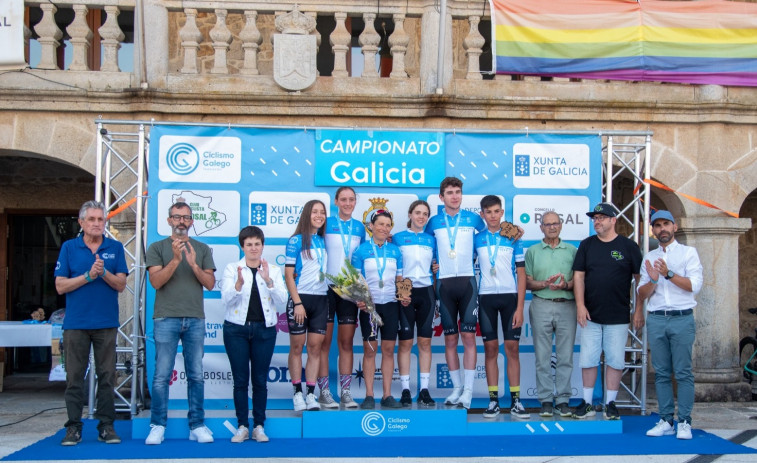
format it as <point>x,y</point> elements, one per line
<point>180,267</point>
<point>549,276</point>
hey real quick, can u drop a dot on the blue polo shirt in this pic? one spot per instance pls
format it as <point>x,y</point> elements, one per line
<point>95,305</point>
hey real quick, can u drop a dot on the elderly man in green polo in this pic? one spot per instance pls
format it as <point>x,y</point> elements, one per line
<point>549,276</point>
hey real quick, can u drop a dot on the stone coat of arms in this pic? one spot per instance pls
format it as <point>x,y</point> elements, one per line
<point>294,51</point>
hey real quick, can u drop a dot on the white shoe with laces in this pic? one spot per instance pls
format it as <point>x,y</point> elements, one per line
<point>662,428</point>
<point>454,398</point>
<point>684,430</point>
<point>465,398</point>
<point>156,435</point>
<point>258,434</point>
<point>311,403</point>
<point>299,402</point>
<point>242,434</point>
<point>202,435</point>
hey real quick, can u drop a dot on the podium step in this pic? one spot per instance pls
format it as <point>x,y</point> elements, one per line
<point>406,422</point>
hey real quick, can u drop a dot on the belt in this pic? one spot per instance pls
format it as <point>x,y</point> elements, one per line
<point>557,299</point>
<point>673,313</point>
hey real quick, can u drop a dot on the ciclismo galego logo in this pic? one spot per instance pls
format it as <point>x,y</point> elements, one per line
<point>373,423</point>
<point>182,158</point>
<point>200,159</point>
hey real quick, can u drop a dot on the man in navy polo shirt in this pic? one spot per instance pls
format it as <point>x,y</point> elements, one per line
<point>91,271</point>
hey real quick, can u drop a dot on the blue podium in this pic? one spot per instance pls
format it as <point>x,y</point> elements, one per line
<point>406,422</point>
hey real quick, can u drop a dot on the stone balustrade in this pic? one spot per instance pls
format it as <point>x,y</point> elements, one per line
<point>236,37</point>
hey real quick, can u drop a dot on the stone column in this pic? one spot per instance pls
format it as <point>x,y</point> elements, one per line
<point>717,373</point>
<point>156,42</point>
<point>430,48</point>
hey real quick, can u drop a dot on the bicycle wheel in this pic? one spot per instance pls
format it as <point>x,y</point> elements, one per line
<point>747,349</point>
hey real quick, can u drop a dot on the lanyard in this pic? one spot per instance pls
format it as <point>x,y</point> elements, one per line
<point>492,254</point>
<point>320,250</point>
<point>452,234</point>
<point>345,238</point>
<point>380,266</point>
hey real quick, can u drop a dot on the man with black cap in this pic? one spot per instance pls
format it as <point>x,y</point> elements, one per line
<point>603,268</point>
<point>671,277</point>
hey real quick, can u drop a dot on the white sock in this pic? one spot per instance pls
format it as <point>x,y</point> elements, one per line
<point>611,396</point>
<point>455,377</point>
<point>405,380</point>
<point>588,394</point>
<point>469,375</point>
<point>424,380</point>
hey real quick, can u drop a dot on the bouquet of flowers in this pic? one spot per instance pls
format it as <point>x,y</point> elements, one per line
<point>351,286</point>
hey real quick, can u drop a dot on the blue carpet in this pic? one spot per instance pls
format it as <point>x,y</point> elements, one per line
<point>631,442</point>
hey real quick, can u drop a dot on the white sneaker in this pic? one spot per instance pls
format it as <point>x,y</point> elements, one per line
<point>258,434</point>
<point>662,428</point>
<point>454,398</point>
<point>327,400</point>
<point>202,435</point>
<point>465,398</point>
<point>347,399</point>
<point>242,434</point>
<point>684,430</point>
<point>299,402</point>
<point>311,403</point>
<point>156,435</point>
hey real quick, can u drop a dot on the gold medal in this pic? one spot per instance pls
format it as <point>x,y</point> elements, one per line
<point>381,283</point>
<point>492,271</point>
<point>452,254</point>
<point>321,276</point>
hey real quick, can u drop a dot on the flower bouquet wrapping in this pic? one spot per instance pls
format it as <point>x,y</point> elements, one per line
<point>351,286</point>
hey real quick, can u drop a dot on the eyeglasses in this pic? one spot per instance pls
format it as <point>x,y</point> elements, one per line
<point>600,218</point>
<point>551,225</point>
<point>184,218</point>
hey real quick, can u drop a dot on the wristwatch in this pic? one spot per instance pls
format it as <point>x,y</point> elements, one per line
<point>670,275</point>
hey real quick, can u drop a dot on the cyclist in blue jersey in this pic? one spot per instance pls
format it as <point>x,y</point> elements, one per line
<point>343,235</point>
<point>502,295</point>
<point>307,307</point>
<point>380,262</point>
<point>454,229</point>
<point>418,250</point>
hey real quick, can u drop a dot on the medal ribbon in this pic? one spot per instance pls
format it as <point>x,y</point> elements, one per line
<point>345,239</point>
<point>492,255</point>
<point>380,268</point>
<point>452,234</point>
<point>320,249</point>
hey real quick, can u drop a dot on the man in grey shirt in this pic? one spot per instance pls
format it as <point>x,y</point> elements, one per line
<point>180,267</point>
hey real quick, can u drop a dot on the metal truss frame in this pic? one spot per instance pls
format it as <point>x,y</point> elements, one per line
<point>121,183</point>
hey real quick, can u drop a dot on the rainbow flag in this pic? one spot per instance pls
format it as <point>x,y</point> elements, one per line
<point>702,42</point>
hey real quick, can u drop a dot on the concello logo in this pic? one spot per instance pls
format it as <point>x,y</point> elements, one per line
<point>373,423</point>
<point>182,158</point>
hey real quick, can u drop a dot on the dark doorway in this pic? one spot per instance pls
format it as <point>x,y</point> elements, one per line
<point>34,241</point>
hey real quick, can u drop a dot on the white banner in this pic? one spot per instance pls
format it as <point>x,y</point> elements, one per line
<point>12,35</point>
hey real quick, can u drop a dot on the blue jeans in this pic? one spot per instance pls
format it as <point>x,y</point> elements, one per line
<point>168,332</point>
<point>249,347</point>
<point>671,340</point>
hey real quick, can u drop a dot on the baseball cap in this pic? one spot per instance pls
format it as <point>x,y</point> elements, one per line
<point>665,215</point>
<point>604,209</point>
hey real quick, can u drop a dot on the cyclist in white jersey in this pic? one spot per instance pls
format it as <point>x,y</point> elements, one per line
<point>307,309</point>
<point>418,249</point>
<point>381,264</point>
<point>456,285</point>
<point>501,298</point>
<point>343,235</point>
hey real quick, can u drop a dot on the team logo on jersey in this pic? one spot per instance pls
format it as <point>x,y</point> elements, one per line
<point>377,205</point>
<point>616,255</point>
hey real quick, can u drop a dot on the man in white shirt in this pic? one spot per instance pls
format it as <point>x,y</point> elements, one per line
<point>671,277</point>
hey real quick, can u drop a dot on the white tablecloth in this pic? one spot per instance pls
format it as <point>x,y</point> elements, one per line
<point>19,334</point>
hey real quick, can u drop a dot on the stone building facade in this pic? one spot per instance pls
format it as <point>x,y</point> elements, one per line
<point>206,61</point>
